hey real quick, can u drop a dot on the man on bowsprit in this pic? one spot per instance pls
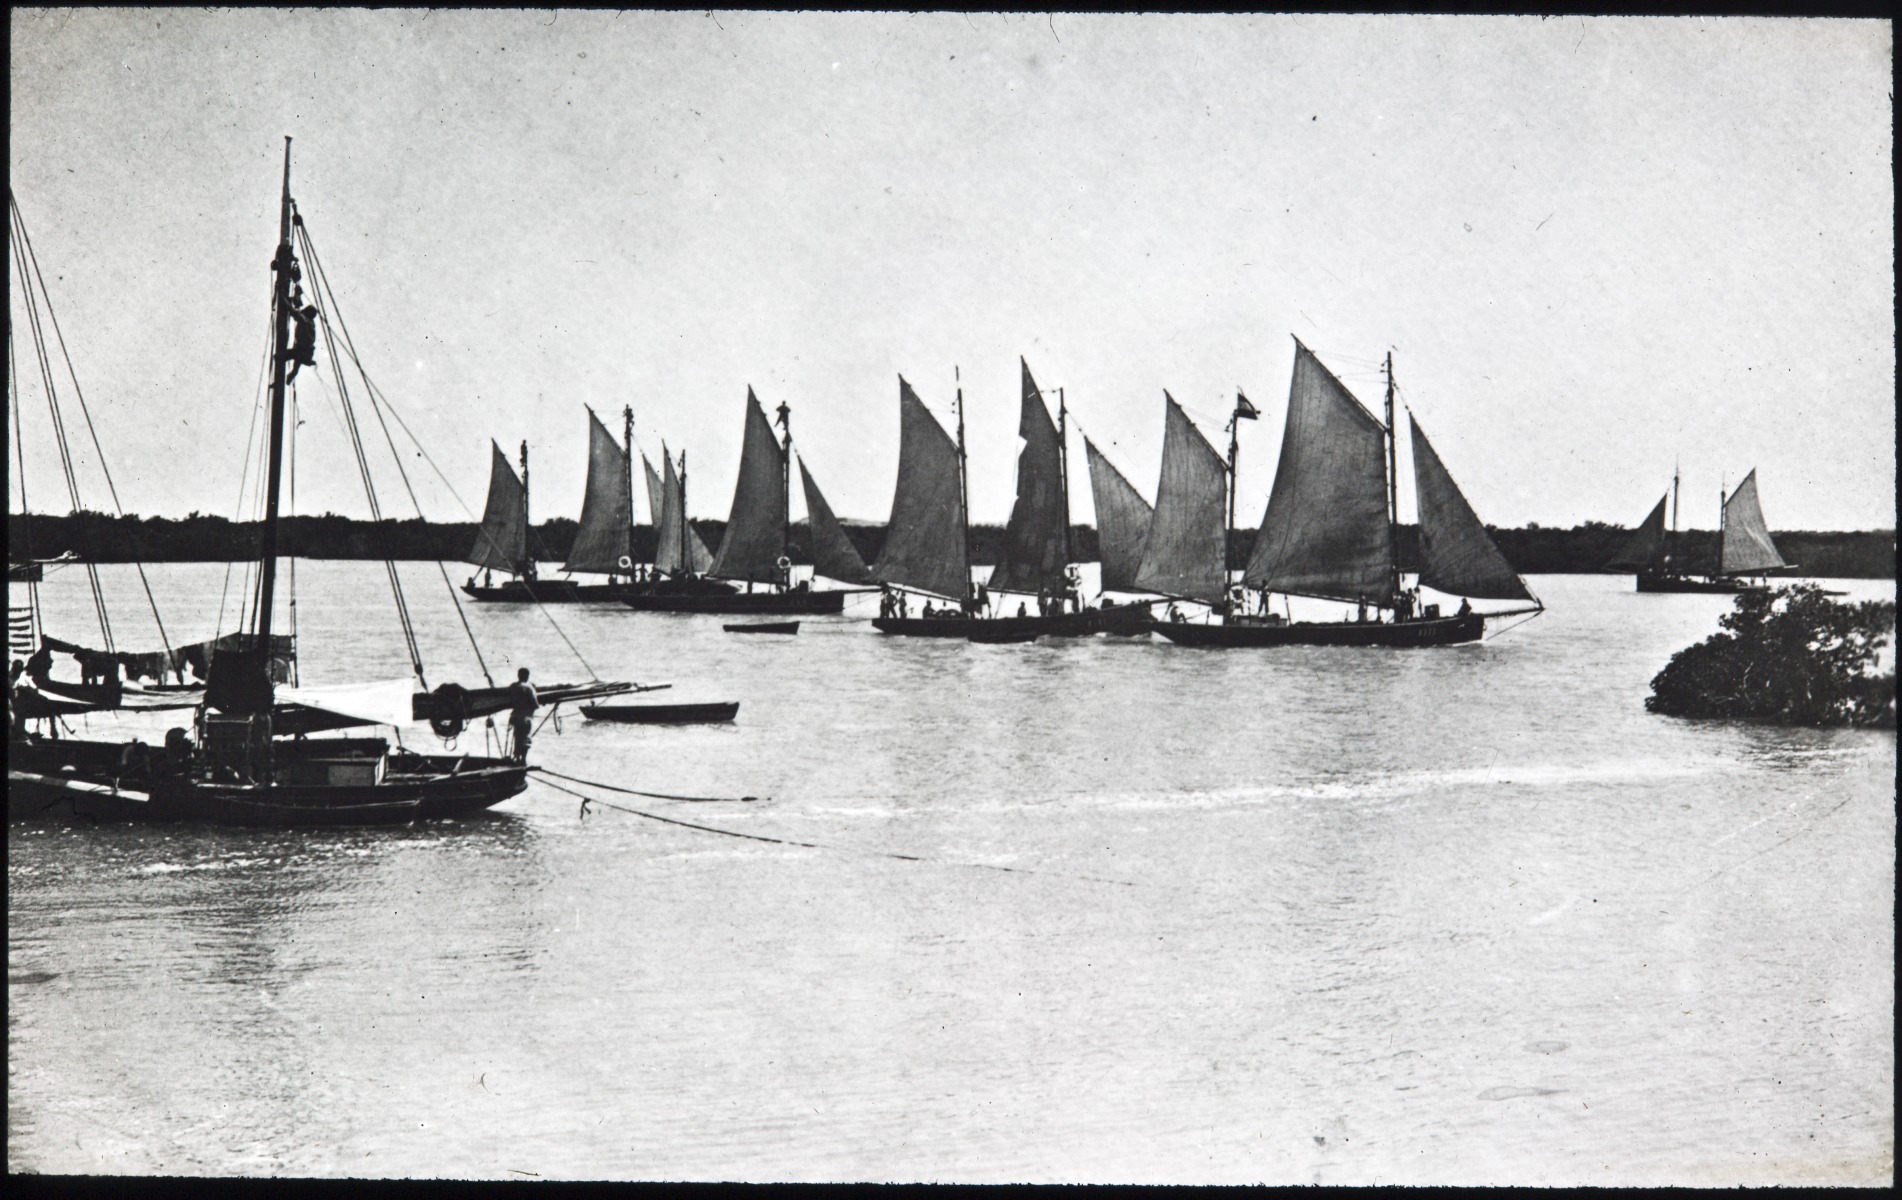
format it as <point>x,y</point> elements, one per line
<point>525,703</point>
<point>303,351</point>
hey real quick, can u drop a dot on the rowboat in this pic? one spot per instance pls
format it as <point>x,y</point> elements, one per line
<point>765,627</point>
<point>662,714</point>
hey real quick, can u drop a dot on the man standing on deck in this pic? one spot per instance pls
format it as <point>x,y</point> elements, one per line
<point>525,703</point>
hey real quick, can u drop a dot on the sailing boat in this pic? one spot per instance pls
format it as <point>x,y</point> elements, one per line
<point>248,764</point>
<point>754,548</point>
<point>1330,532</point>
<point>926,551</point>
<point>1743,546</point>
<point>604,539</point>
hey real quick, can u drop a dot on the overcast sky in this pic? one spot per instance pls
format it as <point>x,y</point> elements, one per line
<point>1595,247</point>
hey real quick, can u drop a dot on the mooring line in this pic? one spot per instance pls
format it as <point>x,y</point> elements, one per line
<point>587,800</point>
<point>608,787</point>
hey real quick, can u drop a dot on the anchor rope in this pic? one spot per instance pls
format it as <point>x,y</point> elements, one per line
<point>587,800</point>
<point>609,787</point>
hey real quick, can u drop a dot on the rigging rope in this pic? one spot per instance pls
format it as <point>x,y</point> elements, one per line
<point>22,248</point>
<point>322,285</point>
<point>587,800</point>
<point>378,403</point>
<point>85,410</point>
<point>34,630</point>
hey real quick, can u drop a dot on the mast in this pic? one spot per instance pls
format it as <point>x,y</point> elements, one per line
<point>1668,541</point>
<point>285,268</point>
<point>525,568</point>
<point>964,493</point>
<point>1234,449</point>
<point>1393,488</point>
<point>1063,457</point>
<point>784,412</point>
<point>627,457</point>
<point>686,559</point>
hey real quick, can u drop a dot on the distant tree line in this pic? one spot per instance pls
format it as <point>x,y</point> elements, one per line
<point>101,537</point>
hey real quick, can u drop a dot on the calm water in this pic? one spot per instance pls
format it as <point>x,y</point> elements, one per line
<point>1455,916</point>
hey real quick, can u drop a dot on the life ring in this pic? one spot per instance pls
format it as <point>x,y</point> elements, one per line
<point>784,563</point>
<point>626,563</point>
<point>452,710</point>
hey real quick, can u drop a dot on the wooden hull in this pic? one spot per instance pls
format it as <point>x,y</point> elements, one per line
<point>1687,583</point>
<point>549,591</point>
<point>662,714</point>
<point>1440,631</point>
<point>785,627</point>
<point>1123,619</point>
<point>416,788</point>
<point>738,603</point>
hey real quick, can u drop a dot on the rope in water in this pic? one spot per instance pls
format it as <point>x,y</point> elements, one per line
<point>608,787</point>
<point>587,800</point>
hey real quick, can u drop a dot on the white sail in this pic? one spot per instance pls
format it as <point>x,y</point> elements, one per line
<point>1747,545</point>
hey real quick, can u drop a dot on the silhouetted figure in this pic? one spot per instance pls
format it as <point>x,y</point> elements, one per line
<point>303,352</point>
<point>521,711</point>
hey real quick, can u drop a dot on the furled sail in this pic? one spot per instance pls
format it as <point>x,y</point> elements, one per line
<point>1747,544</point>
<point>1644,549</point>
<point>1122,522</point>
<point>924,543</point>
<point>833,554</point>
<point>1457,555</point>
<point>503,541</point>
<point>673,528</point>
<point>604,537</point>
<point>1036,548</point>
<point>1326,531</point>
<point>755,537</point>
<point>1183,552</point>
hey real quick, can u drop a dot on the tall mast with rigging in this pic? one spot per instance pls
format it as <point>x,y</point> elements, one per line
<point>527,569</point>
<point>784,412</point>
<point>1228,523</point>
<point>1673,538</point>
<point>964,493</point>
<point>284,266</point>
<point>627,458</point>
<point>1393,488</point>
<point>1063,459</point>
<point>686,559</point>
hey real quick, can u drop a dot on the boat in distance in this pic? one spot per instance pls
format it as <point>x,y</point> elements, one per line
<point>662,714</point>
<point>784,627</point>
<point>1744,547</point>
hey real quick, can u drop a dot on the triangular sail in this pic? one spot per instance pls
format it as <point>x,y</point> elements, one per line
<point>669,530</point>
<point>654,492</point>
<point>1122,522</point>
<point>1644,549</point>
<point>755,538</point>
<point>1183,552</point>
<point>1457,555</point>
<point>604,536</point>
<point>502,543</point>
<point>1747,544</point>
<point>833,554</point>
<point>924,543</point>
<point>1035,549</point>
<point>1326,531</point>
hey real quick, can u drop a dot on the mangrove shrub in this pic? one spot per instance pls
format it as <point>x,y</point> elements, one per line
<point>1791,655</point>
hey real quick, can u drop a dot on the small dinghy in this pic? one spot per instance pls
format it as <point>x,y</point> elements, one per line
<point>766,627</point>
<point>662,714</point>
